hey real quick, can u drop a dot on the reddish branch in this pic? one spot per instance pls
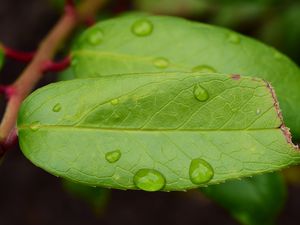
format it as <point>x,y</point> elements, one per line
<point>18,55</point>
<point>45,53</point>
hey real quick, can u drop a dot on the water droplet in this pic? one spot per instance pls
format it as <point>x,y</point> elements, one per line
<point>278,55</point>
<point>234,38</point>
<point>200,171</point>
<point>95,37</point>
<point>35,126</point>
<point>56,107</point>
<point>258,111</point>
<point>114,101</point>
<point>161,62</point>
<point>142,27</point>
<point>200,93</point>
<point>74,61</point>
<point>204,69</point>
<point>149,180</point>
<point>113,156</point>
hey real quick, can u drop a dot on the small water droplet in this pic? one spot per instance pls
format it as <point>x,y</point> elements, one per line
<point>258,111</point>
<point>234,38</point>
<point>113,156</point>
<point>149,180</point>
<point>200,93</point>
<point>204,69</point>
<point>114,101</point>
<point>278,55</point>
<point>35,126</point>
<point>95,37</point>
<point>161,62</point>
<point>56,107</point>
<point>74,61</point>
<point>142,27</point>
<point>200,171</point>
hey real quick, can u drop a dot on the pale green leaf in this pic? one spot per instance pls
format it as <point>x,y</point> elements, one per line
<point>141,130</point>
<point>173,44</point>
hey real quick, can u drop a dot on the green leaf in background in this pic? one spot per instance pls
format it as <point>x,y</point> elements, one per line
<point>163,131</point>
<point>139,43</point>
<point>94,196</point>
<point>172,7</point>
<point>252,201</point>
<point>1,56</point>
<point>283,31</point>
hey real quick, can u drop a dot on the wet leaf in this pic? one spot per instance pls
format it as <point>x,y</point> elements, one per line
<point>163,131</point>
<point>173,44</point>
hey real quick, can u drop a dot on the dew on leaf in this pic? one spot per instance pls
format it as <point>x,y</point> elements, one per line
<point>200,171</point>
<point>142,27</point>
<point>56,107</point>
<point>278,55</point>
<point>258,111</point>
<point>113,156</point>
<point>74,61</point>
<point>161,62</point>
<point>149,180</point>
<point>95,37</point>
<point>204,69</point>
<point>234,38</point>
<point>35,126</point>
<point>114,101</point>
<point>200,93</point>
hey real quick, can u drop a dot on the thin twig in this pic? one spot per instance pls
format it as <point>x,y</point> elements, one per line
<point>45,53</point>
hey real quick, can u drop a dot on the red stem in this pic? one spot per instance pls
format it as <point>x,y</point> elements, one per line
<point>50,66</point>
<point>18,55</point>
<point>7,90</point>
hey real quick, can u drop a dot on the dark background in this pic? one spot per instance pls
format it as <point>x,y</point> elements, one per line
<point>30,196</point>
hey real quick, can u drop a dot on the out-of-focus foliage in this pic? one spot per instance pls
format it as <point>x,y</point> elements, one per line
<point>252,201</point>
<point>96,197</point>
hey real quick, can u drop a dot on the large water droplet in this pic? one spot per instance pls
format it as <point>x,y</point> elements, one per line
<point>149,180</point>
<point>113,156</point>
<point>200,171</point>
<point>95,37</point>
<point>56,107</point>
<point>35,126</point>
<point>200,93</point>
<point>204,69</point>
<point>142,27</point>
<point>114,101</point>
<point>161,62</point>
<point>234,38</point>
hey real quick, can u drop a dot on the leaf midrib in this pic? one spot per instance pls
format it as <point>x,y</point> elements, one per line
<point>24,127</point>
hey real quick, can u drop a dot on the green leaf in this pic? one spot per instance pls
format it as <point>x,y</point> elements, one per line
<point>168,131</point>
<point>141,44</point>
<point>67,74</point>
<point>95,197</point>
<point>1,56</point>
<point>252,201</point>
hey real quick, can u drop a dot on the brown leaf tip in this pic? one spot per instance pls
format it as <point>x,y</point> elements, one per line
<point>285,130</point>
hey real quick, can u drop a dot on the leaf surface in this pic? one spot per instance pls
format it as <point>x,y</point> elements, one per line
<point>163,131</point>
<point>141,44</point>
<point>252,201</point>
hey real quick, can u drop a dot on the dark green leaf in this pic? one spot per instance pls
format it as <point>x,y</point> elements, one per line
<point>252,201</point>
<point>142,43</point>
<point>96,197</point>
<point>163,131</point>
